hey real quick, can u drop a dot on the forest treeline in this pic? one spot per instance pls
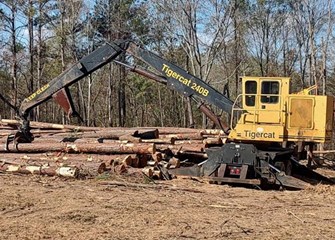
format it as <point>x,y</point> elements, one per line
<point>216,40</point>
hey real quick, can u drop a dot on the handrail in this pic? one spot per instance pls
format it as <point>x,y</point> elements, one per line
<point>256,111</point>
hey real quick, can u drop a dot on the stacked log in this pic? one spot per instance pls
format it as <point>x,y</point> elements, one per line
<point>76,151</point>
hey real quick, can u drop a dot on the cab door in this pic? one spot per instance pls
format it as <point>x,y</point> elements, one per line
<point>262,100</point>
<point>269,101</point>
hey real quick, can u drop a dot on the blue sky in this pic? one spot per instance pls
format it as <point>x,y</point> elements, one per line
<point>21,22</point>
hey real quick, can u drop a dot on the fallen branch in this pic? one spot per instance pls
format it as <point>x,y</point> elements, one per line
<point>291,213</point>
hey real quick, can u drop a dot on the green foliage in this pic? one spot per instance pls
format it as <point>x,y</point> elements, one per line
<point>4,82</point>
<point>140,86</point>
<point>119,19</point>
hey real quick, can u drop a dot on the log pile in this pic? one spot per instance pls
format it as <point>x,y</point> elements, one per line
<point>75,151</point>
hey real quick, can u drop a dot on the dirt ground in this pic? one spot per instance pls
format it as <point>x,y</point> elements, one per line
<point>35,207</point>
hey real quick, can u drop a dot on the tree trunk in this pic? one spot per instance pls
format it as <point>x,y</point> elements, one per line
<point>190,113</point>
<point>31,53</point>
<point>110,96</point>
<point>62,47</point>
<point>122,93</point>
<point>39,55</point>
<point>14,64</point>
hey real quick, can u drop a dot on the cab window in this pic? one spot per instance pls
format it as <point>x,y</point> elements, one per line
<point>250,93</point>
<point>269,92</point>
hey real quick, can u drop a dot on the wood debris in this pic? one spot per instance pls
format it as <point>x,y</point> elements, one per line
<point>75,151</point>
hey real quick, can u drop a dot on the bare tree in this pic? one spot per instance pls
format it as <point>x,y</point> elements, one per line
<point>313,21</point>
<point>41,52</point>
<point>329,24</point>
<point>199,27</point>
<point>265,30</point>
<point>10,25</point>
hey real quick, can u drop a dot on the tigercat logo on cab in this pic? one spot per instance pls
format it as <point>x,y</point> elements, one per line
<point>253,135</point>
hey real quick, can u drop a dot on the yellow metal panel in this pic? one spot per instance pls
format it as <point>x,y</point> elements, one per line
<point>310,118</point>
<point>293,117</point>
<point>301,113</point>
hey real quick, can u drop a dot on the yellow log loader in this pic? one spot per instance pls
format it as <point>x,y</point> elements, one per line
<point>268,128</point>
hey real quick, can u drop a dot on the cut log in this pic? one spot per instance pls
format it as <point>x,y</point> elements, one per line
<point>157,157</point>
<point>143,160</point>
<point>83,140</point>
<point>102,148</point>
<point>147,134</point>
<point>43,125</point>
<point>59,157</point>
<point>160,140</point>
<point>184,136</point>
<point>174,163</point>
<point>195,157</point>
<point>136,162</point>
<point>176,148</point>
<point>91,169</point>
<point>130,138</point>
<point>112,133</point>
<point>44,140</point>
<point>128,160</point>
<point>86,168</point>
<point>188,142</point>
<point>105,134</point>
<point>212,132</point>
<point>148,171</point>
<point>175,130</point>
<point>4,127</point>
<point>212,141</point>
<point>68,171</point>
<point>119,169</point>
<point>113,141</point>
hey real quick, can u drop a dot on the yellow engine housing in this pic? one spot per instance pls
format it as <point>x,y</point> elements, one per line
<point>269,113</point>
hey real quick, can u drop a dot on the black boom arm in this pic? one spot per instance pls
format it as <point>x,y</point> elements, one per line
<point>180,80</point>
<point>81,69</point>
<point>172,75</point>
<point>58,87</point>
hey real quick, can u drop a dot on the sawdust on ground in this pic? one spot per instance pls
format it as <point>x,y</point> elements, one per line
<point>35,207</point>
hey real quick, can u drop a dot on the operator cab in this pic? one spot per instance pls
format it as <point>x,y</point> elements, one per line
<point>264,98</point>
<point>270,113</point>
<point>269,92</point>
<point>262,115</point>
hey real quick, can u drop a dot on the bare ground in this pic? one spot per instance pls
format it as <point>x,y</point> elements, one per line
<point>34,207</point>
